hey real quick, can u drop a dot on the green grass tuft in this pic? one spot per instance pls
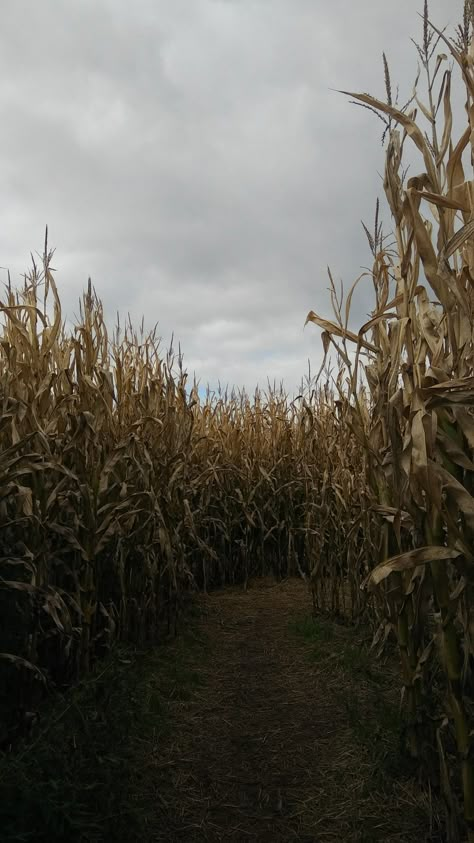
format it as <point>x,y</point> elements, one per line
<point>73,780</point>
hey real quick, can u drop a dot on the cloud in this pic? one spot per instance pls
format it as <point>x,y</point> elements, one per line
<point>196,161</point>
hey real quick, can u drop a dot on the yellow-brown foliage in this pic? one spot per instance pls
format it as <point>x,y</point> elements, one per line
<point>416,357</point>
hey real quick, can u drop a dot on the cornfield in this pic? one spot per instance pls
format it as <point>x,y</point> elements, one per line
<point>122,488</point>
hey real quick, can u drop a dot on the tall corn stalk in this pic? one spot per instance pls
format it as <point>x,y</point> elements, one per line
<point>416,356</point>
<point>121,488</point>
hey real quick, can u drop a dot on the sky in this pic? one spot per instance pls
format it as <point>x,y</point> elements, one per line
<point>194,158</point>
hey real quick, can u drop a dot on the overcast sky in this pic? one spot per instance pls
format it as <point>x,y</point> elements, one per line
<point>192,157</point>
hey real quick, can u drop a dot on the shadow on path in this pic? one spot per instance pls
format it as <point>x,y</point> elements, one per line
<point>264,748</point>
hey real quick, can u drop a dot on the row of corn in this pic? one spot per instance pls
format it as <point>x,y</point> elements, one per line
<point>407,389</point>
<point>122,488</point>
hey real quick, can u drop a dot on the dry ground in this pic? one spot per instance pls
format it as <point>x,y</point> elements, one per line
<point>274,743</point>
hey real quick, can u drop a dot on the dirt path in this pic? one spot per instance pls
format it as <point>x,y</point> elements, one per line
<point>264,749</point>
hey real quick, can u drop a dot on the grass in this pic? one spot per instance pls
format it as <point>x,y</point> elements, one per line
<point>313,630</point>
<point>367,690</point>
<point>373,764</point>
<point>75,779</point>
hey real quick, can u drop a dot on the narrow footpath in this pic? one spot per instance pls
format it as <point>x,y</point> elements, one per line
<point>278,740</point>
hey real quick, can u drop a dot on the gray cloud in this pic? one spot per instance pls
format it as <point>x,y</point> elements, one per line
<point>192,158</point>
